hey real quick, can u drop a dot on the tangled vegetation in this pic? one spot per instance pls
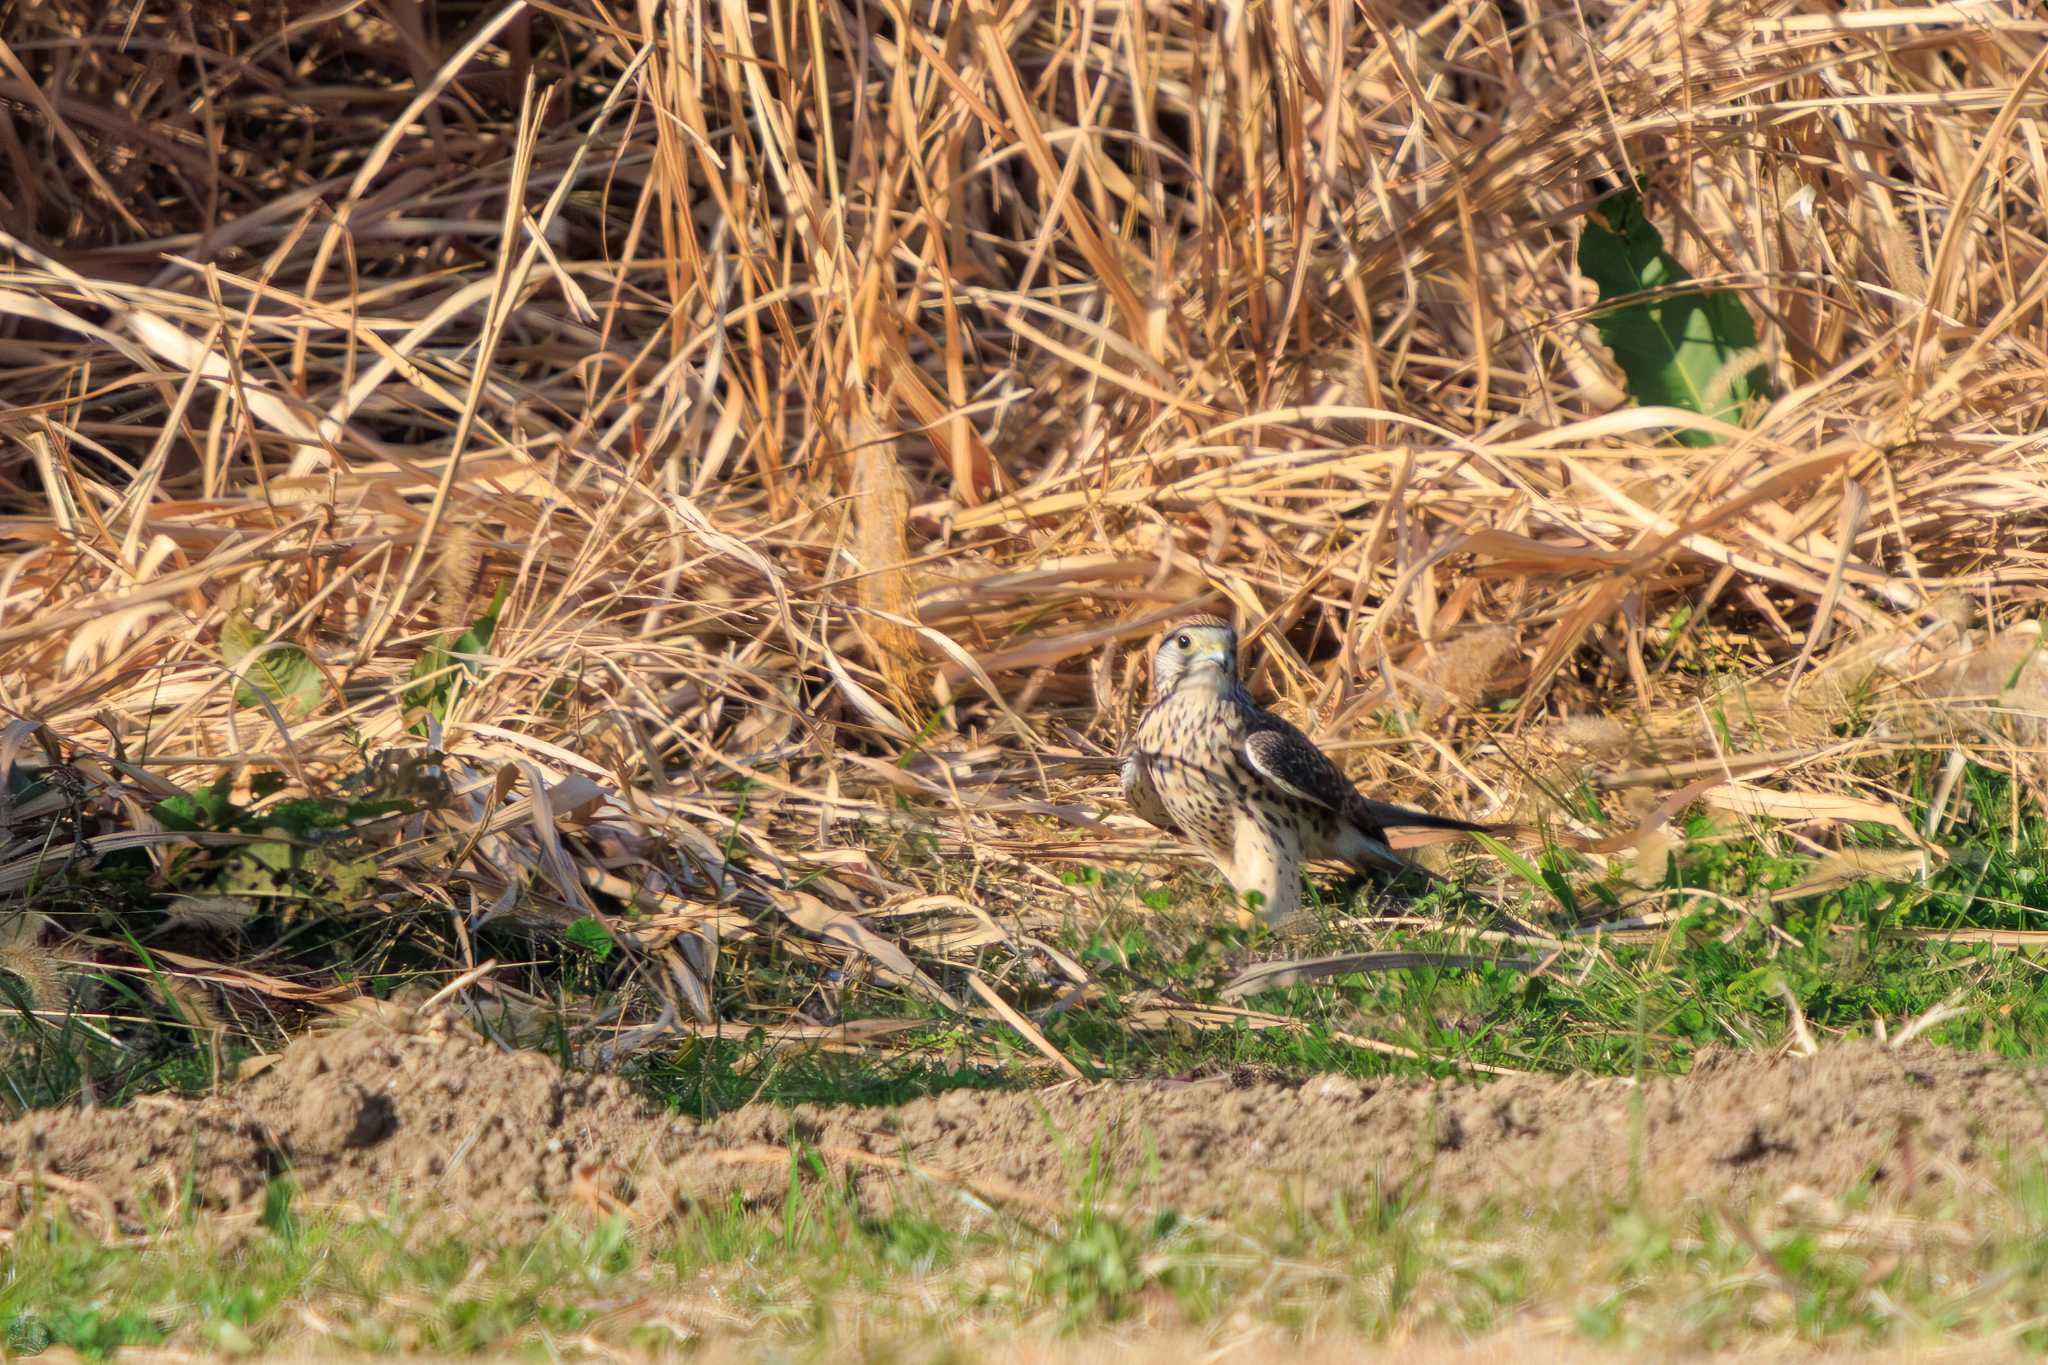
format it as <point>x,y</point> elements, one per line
<point>644,524</point>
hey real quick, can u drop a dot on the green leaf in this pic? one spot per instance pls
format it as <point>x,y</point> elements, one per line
<point>1684,350</point>
<point>184,813</point>
<point>592,937</point>
<point>274,854</point>
<point>434,682</point>
<point>441,670</point>
<point>353,878</point>
<point>207,808</point>
<point>283,672</point>
<point>304,817</point>
<point>477,638</point>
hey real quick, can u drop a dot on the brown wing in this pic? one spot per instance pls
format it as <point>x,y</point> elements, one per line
<point>1291,762</point>
<point>1288,759</point>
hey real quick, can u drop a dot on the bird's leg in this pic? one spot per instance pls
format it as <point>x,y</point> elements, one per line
<point>1266,863</point>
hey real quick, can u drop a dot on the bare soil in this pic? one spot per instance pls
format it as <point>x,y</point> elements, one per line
<point>424,1117</point>
<point>1147,1344</point>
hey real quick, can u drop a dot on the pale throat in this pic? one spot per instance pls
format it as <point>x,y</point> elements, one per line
<point>1207,679</point>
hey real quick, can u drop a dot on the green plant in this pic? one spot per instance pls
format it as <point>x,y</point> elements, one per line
<point>1693,349</point>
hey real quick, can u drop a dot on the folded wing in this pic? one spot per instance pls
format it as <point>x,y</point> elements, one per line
<point>1291,762</point>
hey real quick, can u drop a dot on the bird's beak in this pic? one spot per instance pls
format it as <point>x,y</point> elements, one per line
<point>1212,655</point>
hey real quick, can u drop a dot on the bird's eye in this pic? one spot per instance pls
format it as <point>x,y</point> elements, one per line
<point>1184,642</point>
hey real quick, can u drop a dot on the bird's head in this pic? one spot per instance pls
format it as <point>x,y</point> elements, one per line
<point>1190,648</point>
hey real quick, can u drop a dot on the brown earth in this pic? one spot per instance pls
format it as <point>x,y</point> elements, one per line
<point>1151,1345</point>
<point>424,1117</point>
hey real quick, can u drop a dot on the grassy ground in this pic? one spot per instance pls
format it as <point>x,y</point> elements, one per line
<point>1762,933</point>
<point>816,1278</point>
<point>1446,982</point>
<point>646,520</point>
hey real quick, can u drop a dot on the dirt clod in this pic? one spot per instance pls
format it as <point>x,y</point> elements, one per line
<point>427,1118</point>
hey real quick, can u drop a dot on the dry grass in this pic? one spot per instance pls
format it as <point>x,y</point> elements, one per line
<point>844,392</point>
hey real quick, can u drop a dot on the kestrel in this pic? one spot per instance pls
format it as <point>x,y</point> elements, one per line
<point>1209,764</point>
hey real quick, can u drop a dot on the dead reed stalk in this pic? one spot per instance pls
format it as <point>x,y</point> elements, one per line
<point>791,365</point>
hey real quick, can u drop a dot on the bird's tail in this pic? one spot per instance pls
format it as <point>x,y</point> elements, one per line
<point>1384,815</point>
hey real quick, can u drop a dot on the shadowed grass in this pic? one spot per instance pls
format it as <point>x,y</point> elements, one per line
<point>1734,943</point>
